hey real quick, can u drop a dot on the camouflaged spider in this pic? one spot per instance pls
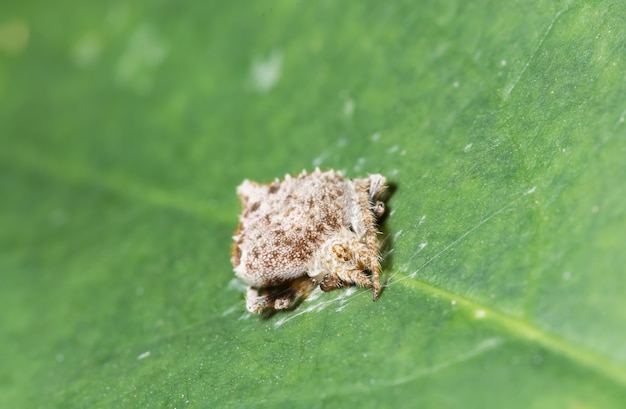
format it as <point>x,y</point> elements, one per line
<point>315,229</point>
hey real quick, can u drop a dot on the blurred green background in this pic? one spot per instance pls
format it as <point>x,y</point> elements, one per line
<point>125,128</point>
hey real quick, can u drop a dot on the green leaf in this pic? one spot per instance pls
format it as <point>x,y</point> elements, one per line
<point>125,129</point>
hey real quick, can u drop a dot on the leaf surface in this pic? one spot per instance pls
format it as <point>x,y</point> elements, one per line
<point>125,130</point>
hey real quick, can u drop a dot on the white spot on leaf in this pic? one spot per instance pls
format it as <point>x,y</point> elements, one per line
<point>87,50</point>
<point>144,52</point>
<point>266,71</point>
<point>348,107</point>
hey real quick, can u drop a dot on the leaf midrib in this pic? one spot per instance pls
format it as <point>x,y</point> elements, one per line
<point>524,330</point>
<point>121,185</point>
<point>72,173</point>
